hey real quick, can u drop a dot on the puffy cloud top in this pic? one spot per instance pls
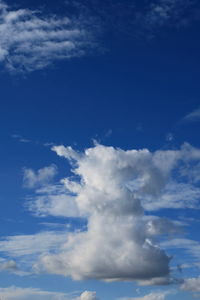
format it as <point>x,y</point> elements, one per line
<point>88,296</point>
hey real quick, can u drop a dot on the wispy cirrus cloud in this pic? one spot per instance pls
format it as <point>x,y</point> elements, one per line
<point>32,245</point>
<point>18,293</point>
<point>191,246</point>
<point>151,296</point>
<point>11,266</point>
<point>52,200</point>
<point>20,138</point>
<point>26,249</point>
<point>30,40</point>
<point>43,176</point>
<point>169,12</point>
<point>136,20</point>
<point>193,116</point>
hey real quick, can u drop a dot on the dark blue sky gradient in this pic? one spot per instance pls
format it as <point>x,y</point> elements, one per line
<point>131,91</point>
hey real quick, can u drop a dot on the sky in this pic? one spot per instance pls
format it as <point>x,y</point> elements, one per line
<point>100,150</point>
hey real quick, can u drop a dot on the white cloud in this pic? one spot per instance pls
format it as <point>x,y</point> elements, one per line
<point>9,265</point>
<point>156,281</point>
<point>175,195</point>
<point>193,116</point>
<point>30,245</point>
<point>111,188</point>
<point>191,246</point>
<point>60,205</point>
<point>53,200</point>
<point>12,267</point>
<point>152,183</point>
<point>17,293</point>
<point>160,226</point>
<point>151,296</point>
<point>118,243</point>
<point>30,41</point>
<point>42,176</point>
<point>87,296</point>
<point>191,284</point>
<point>109,250</point>
<point>192,174</point>
<point>20,138</point>
<point>24,250</point>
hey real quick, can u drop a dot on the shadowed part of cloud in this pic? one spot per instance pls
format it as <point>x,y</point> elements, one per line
<point>11,267</point>
<point>192,285</point>
<point>20,138</point>
<point>8,265</point>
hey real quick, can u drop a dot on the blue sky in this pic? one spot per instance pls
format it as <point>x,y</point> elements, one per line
<point>100,151</point>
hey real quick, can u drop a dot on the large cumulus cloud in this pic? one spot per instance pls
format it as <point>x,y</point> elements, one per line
<point>114,194</point>
<point>110,188</point>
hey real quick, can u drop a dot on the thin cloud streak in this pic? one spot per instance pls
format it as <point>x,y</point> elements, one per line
<point>128,19</point>
<point>17,293</point>
<point>194,116</point>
